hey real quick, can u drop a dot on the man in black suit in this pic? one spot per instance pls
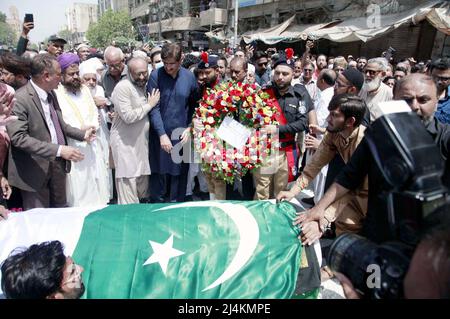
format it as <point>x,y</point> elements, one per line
<point>39,157</point>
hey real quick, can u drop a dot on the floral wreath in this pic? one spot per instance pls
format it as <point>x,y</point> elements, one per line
<point>249,105</point>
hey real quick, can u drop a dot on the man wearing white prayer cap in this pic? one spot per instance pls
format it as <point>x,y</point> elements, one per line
<point>83,51</point>
<point>89,76</point>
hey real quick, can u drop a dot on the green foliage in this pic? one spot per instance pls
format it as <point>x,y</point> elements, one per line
<point>8,36</point>
<point>65,34</point>
<point>33,46</point>
<point>112,26</point>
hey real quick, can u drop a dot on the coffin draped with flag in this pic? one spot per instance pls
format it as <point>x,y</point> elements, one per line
<point>227,250</point>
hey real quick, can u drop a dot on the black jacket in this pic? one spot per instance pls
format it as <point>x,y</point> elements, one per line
<point>362,163</point>
<point>295,104</point>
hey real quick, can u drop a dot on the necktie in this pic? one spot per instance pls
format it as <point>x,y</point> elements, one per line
<point>55,120</point>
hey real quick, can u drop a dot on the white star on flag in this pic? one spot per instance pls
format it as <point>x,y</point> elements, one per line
<point>162,253</point>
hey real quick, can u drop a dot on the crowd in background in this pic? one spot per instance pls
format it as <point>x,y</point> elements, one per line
<point>87,127</point>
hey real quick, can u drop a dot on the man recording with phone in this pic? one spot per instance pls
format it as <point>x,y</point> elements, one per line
<point>27,26</point>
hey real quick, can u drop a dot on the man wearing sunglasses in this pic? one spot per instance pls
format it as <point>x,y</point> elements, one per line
<point>262,73</point>
<point>308,81</point>
<point>440,72</point>
<point>41,272</point>
<point>116,69</point>
<point>374,90</point>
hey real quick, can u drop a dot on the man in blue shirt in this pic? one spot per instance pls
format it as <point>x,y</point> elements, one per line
<point>262,69</point>
<point>169,122</point>
<point>440,72</point>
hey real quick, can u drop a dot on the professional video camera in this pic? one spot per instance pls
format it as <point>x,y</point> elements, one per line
<point>388,54</point>
<point>411,165</point>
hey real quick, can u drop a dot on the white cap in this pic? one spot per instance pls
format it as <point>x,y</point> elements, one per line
<point>90,66</point>
<point>250,68</point>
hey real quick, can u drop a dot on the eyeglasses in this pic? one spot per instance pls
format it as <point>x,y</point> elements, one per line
<point>307,70</point>
<point>340,85</point>
<point>263,63</point>
<point>75,274</point>
<point>116,66</point>
<point>372,72</point>
<point>441,78</point>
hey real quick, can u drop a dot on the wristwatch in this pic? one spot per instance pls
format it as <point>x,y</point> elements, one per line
<point>324,224</point>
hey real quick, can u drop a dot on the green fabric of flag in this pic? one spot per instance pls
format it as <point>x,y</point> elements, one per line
<point>190,250</point>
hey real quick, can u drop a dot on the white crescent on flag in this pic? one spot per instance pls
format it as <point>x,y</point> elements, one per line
<point>248,234</point>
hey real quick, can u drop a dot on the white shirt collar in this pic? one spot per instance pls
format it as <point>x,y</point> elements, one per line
<point>41,93</point>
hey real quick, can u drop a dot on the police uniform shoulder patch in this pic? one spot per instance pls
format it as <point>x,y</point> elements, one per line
<point>301,107</point>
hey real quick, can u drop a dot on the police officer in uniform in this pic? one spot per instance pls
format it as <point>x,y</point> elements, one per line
<point>208,75</point>
<point>294,103</point>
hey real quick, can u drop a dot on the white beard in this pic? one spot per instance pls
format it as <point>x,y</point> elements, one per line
<point>372,85</point>
<point>93,90</point>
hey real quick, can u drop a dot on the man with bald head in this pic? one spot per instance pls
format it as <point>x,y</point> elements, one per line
<point>116,69</point>
<point>130,133</point>
<point>420,93</point>
<point>238,69</point>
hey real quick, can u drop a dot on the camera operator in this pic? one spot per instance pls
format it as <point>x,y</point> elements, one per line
<point>428,276</point>
<point>420,93</point>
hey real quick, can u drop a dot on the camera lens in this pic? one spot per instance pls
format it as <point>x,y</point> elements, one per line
<point>377,271</point>
<point>351,254</point>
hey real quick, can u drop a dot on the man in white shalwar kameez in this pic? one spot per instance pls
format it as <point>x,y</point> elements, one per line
<point>130,133</point>
<point>87,182</point>
<point>325,85</point>
<point>89,77</point>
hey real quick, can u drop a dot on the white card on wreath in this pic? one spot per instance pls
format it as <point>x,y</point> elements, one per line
<point>233,132</point>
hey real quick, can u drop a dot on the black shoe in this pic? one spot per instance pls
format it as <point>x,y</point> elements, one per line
<point>308,201</point>
<point>189,198</point>
<point>204,196</point>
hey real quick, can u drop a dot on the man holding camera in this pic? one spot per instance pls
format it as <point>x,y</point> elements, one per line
<point>428,273</point>
<point>420,92</point>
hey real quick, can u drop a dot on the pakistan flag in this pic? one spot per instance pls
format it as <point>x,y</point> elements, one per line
<point>190,250</point>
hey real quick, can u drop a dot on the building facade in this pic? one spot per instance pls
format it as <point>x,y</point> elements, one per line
<point>114,5</point>
<point>14,21</point>
<point>185,21</point>
<point>79,17</point>
<point>188,20</point>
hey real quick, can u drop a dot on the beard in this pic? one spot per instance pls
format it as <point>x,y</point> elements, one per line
<point>281,85</point>
<point>75,293</point>
<point>209,82</point>
<point>335,129</point>
<point>426,120</point>
<point>372,85</point>
<point>141,83</point>
<point>75,85</point>
<point>92,90</point>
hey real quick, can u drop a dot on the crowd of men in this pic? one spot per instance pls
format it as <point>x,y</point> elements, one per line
<point>85,128</point>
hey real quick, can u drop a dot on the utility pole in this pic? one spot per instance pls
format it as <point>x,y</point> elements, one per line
<point>159,21</point>
<point>236,5</point>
